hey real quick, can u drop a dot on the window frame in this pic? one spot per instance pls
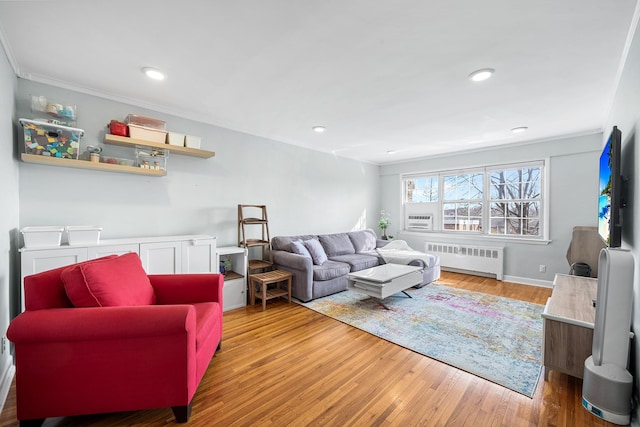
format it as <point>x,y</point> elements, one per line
<point>486,200</point>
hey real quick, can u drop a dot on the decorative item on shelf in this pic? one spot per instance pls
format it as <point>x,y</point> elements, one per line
<point>119,128</point>
<point>384,223</point>
<point>225,264</point>
<point>94,153</point>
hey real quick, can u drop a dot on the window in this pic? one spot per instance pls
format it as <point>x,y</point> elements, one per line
<point>422,189</point>
<point>462,202</point>
<point>515,201</point>
<point>502,200</point>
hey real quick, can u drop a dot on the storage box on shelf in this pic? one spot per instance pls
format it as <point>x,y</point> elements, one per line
<point>146,128</point>
<point>147,122</point>
<point>83,234</point>
<point>51,140</point>
<point>175,138</point>
<point>151,159</point>
<point>42,236</point>
<point>192,141</point>
<point>147,134</point>
<point>46,108</point>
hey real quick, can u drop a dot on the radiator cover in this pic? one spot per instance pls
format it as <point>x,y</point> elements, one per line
<point>470,258</point>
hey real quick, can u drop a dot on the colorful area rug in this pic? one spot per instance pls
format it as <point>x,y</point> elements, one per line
<point>496,338</point>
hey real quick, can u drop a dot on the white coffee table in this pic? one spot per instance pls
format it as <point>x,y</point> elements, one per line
<point>385,280</point>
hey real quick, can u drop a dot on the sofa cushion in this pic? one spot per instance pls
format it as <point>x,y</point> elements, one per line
<point>330,270</point>
<point>336,244</point>
<point>357,262</point>
<point>363,240</point>
<point>119,281</point>
<point>317,252</point>
<point>297,247</point>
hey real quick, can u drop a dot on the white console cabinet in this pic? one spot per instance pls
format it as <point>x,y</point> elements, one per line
<point>159,255</point>
<point>235,280</point>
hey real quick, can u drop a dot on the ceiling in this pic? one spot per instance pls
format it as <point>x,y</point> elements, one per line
<point>383,75</point>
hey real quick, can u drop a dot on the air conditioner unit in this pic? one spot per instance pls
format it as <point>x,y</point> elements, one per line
<point>419,221</point>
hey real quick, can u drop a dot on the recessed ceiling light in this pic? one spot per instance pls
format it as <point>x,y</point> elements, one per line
<point>520,129</point>
<point>391,151</point>
<point>319,129</point>
<point>154,73</point>
<point>481,75</point>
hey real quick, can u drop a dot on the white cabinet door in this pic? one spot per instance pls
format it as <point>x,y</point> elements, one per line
<point>161,257</point>
<point>234,294</point>
<point>199,256</point>
<point>94,252</point>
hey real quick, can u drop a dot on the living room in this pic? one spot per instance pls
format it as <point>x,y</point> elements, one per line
<point>306,190</point>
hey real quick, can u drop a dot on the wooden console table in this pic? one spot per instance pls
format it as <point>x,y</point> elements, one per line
<point>568,324</point>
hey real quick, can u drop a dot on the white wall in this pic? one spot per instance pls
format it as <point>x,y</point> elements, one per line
<point>9,220</point>
<point>625,113</point>
<point>572,200</point>
<point>305,191</point>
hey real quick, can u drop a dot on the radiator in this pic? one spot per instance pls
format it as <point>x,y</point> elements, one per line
<point>471,258</point>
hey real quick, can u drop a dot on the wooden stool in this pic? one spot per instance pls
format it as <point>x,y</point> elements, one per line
<point>266,279</point>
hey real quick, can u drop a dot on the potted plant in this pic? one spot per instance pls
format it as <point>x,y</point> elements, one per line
<point>383,223</point>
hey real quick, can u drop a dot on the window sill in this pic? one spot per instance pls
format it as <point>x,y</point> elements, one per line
<point>463,237</point>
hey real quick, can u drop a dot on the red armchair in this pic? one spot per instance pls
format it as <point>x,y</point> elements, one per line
<point>143,351</point>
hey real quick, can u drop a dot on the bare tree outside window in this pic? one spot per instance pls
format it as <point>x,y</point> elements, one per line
<point>515,201</point>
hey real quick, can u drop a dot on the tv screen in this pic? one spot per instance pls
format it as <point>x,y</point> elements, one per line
<point>610,188</point>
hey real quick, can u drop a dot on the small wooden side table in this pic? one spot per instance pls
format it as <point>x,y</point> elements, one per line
<point>274,277</point>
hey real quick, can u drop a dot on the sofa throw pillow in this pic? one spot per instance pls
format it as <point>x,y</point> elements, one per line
<point>297,247</point>
<point>119,281</point>
<point>316,250</point>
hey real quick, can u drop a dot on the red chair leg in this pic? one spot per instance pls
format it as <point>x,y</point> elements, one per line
<point>182,413</point>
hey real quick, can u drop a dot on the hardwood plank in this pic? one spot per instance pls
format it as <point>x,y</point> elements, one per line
<point>292,366</point>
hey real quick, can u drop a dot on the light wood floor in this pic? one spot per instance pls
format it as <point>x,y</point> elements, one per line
<point>290,366</point>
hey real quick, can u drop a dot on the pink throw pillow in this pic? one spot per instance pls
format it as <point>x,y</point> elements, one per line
<point>119,281</point>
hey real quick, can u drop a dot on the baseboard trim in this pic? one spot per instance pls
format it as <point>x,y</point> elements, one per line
<point>5,384</point>
<point>528,281</point>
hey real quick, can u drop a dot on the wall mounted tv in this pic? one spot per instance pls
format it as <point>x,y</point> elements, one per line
<point>612,193</point>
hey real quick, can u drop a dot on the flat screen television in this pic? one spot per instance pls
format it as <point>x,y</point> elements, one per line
<point>611,193</point>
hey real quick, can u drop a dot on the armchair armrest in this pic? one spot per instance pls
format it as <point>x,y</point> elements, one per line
<point>102,324</point>
<point>187,288</point>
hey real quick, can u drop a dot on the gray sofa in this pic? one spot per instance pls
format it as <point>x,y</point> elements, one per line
<point>346,252</point>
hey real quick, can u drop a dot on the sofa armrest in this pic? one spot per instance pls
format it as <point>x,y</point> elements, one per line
<point>102,324</point>
<point>187,288</point>
<point>291,260</point>
<point>380,243</point>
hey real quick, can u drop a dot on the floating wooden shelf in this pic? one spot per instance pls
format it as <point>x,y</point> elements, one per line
<point>124,141</point>
<point>85,164</point>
